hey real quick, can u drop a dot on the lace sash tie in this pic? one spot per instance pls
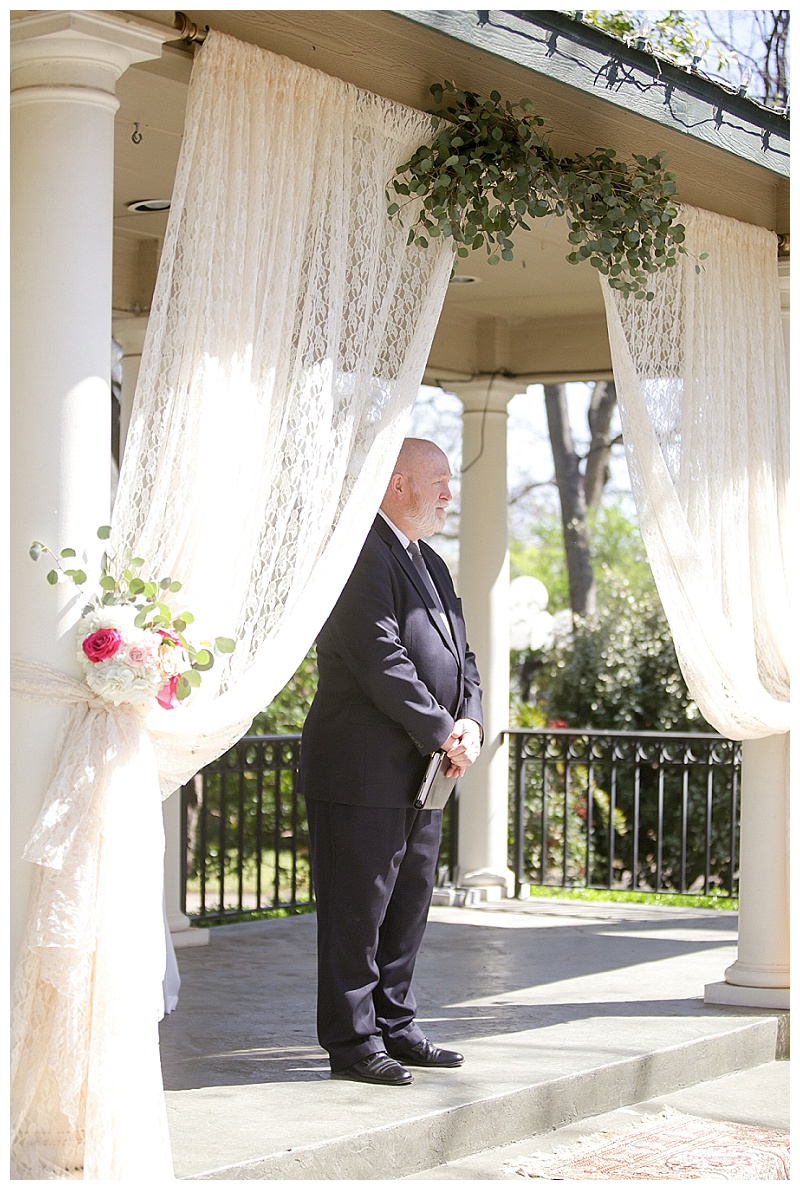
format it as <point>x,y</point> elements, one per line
<point>86,1084</point>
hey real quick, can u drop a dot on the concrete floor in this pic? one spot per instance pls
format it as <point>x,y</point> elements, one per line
<point>565,1012</point>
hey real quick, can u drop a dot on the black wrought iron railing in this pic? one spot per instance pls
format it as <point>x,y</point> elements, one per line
<point>648,811</point>
<point>245,843</point>
<point>618,810</point>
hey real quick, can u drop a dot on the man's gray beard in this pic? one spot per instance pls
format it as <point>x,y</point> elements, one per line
<point>427,522</point>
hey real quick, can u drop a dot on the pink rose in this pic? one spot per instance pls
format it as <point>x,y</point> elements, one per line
<point>167,637</point>
<point>102,644</point>
<point>137,655</point>
<point>166,695</point>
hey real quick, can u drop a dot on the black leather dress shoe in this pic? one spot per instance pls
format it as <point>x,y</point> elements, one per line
<point>376,1068</point>
<point>425,1054</point>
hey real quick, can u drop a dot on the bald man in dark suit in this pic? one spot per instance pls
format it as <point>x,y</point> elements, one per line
<point>397,682</point>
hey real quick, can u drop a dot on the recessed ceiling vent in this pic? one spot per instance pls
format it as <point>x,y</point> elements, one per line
<point>143,205</point>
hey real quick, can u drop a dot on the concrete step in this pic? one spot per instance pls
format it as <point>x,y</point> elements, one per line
<point>451,1133</point>
<point>757,1097</point>
<point>427,1136</point>
<point>562,1012</point>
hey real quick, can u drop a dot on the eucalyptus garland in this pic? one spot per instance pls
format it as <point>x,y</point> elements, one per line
<point>490,168</point>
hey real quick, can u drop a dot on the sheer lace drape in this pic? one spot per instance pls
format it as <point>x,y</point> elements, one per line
<point>288,335</point>
<point>704,405</point>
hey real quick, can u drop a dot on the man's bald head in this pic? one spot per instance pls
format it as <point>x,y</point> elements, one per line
<point>415,452</point>
<point>419,490</point>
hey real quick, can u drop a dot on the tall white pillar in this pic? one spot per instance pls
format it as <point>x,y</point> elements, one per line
<point>64,67</point>
<point>178,923</point>
<point>129,333</point>
<point>759,978</point>
<point>483,572</point>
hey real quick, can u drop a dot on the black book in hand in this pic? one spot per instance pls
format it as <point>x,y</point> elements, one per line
<point>435,788</point>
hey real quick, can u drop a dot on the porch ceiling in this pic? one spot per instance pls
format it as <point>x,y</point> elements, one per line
<point>536,317</point>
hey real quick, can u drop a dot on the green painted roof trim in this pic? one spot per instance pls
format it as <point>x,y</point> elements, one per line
<point>593,61</point>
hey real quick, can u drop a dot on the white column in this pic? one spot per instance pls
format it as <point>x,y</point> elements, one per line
<point>179,926</point>
<point>129,333</point>
<point>759,978</point>
<point>483,578</point>
<point>64,67</point>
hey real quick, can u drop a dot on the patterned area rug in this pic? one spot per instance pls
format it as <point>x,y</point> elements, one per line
<point>671,1146</point>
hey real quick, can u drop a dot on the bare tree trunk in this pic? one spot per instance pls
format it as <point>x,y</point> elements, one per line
<point>597,470</point>
<point>582,593</point>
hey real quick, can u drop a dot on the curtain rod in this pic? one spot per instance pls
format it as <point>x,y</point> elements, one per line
<point>188,31</point>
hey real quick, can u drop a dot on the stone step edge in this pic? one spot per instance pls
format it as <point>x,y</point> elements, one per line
<point>419,1144</point>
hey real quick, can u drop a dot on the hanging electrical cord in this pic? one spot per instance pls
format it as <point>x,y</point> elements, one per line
<point>476,376</point>
<point>484,413</point>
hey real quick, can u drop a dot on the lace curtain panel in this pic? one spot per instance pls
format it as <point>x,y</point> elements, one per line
<point>704,405</point>
<point>289,331</point>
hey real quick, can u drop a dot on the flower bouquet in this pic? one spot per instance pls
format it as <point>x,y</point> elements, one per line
<point>132,648</point>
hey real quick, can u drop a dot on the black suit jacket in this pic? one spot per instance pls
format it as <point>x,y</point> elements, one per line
<point>392,680</point>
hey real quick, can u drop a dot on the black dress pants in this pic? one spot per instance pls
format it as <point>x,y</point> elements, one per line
<point>374,870</point>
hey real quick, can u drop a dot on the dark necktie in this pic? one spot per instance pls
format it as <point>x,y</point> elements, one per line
<point>419,562</point>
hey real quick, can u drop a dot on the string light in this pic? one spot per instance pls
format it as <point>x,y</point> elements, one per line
<point>619,74</point>
<point>643,36</point>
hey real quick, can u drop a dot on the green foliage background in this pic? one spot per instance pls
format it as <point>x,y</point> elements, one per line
<point>286,714</point>
<point>618,671</point>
